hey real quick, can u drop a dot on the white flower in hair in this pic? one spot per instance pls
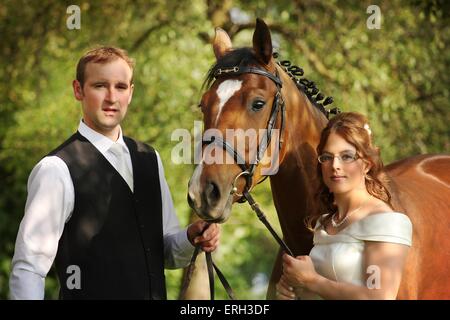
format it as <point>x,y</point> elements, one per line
<point>366,126</point>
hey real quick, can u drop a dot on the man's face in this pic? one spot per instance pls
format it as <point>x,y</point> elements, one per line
<point>105,96</point>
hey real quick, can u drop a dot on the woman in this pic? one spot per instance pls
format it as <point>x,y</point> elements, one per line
<point>360,243</point>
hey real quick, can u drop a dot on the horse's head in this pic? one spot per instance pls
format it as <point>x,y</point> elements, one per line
<point>243,113</point>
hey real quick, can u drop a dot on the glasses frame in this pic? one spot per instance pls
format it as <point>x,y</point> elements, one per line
<point>355,157</point>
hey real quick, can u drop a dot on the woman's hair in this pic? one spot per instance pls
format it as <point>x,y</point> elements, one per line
<point>102,55</point>
<point>354,128</point>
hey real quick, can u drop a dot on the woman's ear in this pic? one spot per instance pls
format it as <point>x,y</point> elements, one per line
<point>367,166</point>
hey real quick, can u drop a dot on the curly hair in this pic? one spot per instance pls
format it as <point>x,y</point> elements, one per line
<point>354,128</point>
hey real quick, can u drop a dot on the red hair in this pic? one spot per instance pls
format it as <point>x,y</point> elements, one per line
<point>102,55</point>
<point>354,128</point>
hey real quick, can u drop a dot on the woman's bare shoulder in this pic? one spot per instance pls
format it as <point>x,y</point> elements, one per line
<point>378,206</point>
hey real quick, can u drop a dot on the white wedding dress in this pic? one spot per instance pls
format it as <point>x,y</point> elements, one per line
<point>339,257</point>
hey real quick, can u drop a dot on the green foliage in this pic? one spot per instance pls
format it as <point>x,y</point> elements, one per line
<point>398,75</point>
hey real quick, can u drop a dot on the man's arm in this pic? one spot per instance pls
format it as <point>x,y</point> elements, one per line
<point>49,204</point>
<point>177,247</point>
<point>179,243</point>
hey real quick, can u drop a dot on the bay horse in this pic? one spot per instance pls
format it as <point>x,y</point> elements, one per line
<point>248,89</point>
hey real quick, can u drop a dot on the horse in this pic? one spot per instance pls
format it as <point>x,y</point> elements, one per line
<point>248,89</point>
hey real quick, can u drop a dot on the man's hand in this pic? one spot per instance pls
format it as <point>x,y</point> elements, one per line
<point>209,240</point>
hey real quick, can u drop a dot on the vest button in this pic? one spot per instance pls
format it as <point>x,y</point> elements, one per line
<point>147,249</point>
<point>142,226</point>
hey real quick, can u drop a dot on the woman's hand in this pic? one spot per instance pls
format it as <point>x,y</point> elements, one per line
<point>298,271</point>
<point>284,290</point>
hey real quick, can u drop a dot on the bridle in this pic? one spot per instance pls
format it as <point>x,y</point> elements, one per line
<point>247,172</point>
<point>314,95</point>
<point>277,106</point>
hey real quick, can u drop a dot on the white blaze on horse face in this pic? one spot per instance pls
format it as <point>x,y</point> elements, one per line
<point>225,91</point>
<point>194,185</point>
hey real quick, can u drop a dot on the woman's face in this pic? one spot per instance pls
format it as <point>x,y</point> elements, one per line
<point>342,170</point>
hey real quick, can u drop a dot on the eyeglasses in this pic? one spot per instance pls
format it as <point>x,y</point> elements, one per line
<point>327,158</point>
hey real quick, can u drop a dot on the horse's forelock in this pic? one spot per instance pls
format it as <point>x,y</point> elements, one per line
<point>236,57</point>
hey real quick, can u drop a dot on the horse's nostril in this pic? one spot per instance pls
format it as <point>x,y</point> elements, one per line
<point>212,193</point>
<point>215,193</point>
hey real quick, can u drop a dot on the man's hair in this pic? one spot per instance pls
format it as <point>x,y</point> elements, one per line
<point>102,55</point>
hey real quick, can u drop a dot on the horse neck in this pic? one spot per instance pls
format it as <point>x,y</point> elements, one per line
<point>295,184</point>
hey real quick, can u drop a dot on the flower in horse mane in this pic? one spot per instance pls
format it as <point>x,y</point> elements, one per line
<point>366,126</point>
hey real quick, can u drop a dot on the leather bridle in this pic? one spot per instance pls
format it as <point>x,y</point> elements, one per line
<point>277,106</point>
<point>312,92</point>
<point>247,171</point>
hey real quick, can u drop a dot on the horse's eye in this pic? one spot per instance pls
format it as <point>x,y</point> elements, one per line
<point>258,104</point>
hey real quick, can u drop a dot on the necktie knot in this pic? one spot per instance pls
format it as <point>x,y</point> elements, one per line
<point>116,149</point>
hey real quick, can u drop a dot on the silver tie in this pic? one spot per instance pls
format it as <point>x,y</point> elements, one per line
<point>121,165</point>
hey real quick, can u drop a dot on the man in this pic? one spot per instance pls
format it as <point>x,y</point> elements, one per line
<point>99,205</point>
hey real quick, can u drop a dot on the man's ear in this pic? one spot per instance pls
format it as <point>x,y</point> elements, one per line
<point>131,93</point>
<point>77,90</point>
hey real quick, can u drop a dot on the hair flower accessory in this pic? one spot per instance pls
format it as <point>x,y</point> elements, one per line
<point>366,126</point>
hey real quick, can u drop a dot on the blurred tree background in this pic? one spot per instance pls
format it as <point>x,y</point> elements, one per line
<point>398,75</point>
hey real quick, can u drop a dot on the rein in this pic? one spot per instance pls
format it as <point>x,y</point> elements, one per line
<point>211,266</point>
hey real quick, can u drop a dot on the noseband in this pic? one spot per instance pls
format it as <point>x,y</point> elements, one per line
<point>277,105</point>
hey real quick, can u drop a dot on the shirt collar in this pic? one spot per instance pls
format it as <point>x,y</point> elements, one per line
<point>101,142</point>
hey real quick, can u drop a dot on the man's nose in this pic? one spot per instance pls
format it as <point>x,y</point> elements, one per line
<point>111,95</point>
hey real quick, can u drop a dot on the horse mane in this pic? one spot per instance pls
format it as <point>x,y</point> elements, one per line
<point>245,56</point>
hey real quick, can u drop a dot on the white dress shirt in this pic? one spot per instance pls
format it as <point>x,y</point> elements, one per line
<point>49,206</point>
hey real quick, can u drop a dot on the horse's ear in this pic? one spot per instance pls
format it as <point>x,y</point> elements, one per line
<point>262,42</point>
<point>222,43</point>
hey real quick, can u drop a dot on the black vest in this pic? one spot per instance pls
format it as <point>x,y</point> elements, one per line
<point>114,236</point>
